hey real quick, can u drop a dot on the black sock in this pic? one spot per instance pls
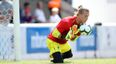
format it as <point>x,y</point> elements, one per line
<point>67,54</point>
<point>57,57</point>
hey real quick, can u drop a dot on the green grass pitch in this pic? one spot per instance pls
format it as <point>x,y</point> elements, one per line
<point>71,61</point>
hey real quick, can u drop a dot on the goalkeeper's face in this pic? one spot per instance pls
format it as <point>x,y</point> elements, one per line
<point>84,17</point>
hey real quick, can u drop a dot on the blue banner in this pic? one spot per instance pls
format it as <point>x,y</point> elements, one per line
<point>36,39</point>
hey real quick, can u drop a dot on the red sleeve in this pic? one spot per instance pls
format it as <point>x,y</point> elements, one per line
<point>63,26</point>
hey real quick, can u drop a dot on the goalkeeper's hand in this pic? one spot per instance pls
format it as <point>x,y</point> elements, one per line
<point>73,34</point>
<point>73,37</point>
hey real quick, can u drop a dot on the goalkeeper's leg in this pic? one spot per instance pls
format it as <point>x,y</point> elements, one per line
<point>55,51</point>
<point>67,54</point>
<point>57,57</point>
<point>66,50</point>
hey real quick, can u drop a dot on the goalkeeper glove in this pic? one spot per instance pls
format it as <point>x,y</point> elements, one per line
<point>73,33</point>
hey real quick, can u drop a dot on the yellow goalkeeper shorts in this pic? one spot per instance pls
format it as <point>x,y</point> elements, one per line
<point>56,47</point>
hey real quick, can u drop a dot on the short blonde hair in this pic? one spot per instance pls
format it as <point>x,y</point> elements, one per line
<point>80,10</point>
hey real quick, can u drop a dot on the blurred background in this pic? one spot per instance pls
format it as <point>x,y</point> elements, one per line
<point>45,11</point>
<point>42,16</point>
<point>39,17</point>
<point>100,11</point>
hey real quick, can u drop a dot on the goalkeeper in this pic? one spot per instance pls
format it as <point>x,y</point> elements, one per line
<point>57,42</point>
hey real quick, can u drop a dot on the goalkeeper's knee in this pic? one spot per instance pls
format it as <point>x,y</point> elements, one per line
<point>67,54</point>
<point>57,57</point>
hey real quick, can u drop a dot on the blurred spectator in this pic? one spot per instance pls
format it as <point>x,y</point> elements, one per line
<point>69,1</point>
<point>27,18</point>
<point>39,13</point>
<point>21,13</point>
<point>54,4</point>
<point>54,16</point>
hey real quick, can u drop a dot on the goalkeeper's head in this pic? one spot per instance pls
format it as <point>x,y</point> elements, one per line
<point>82,15</point>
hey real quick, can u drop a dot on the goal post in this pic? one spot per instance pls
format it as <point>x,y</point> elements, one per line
<point>16,21</point>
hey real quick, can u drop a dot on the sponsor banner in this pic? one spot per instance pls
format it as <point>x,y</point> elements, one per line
<point>36,39</point>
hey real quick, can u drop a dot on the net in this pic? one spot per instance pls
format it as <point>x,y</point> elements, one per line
<point>8,34</point>
<point>6,43</point>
